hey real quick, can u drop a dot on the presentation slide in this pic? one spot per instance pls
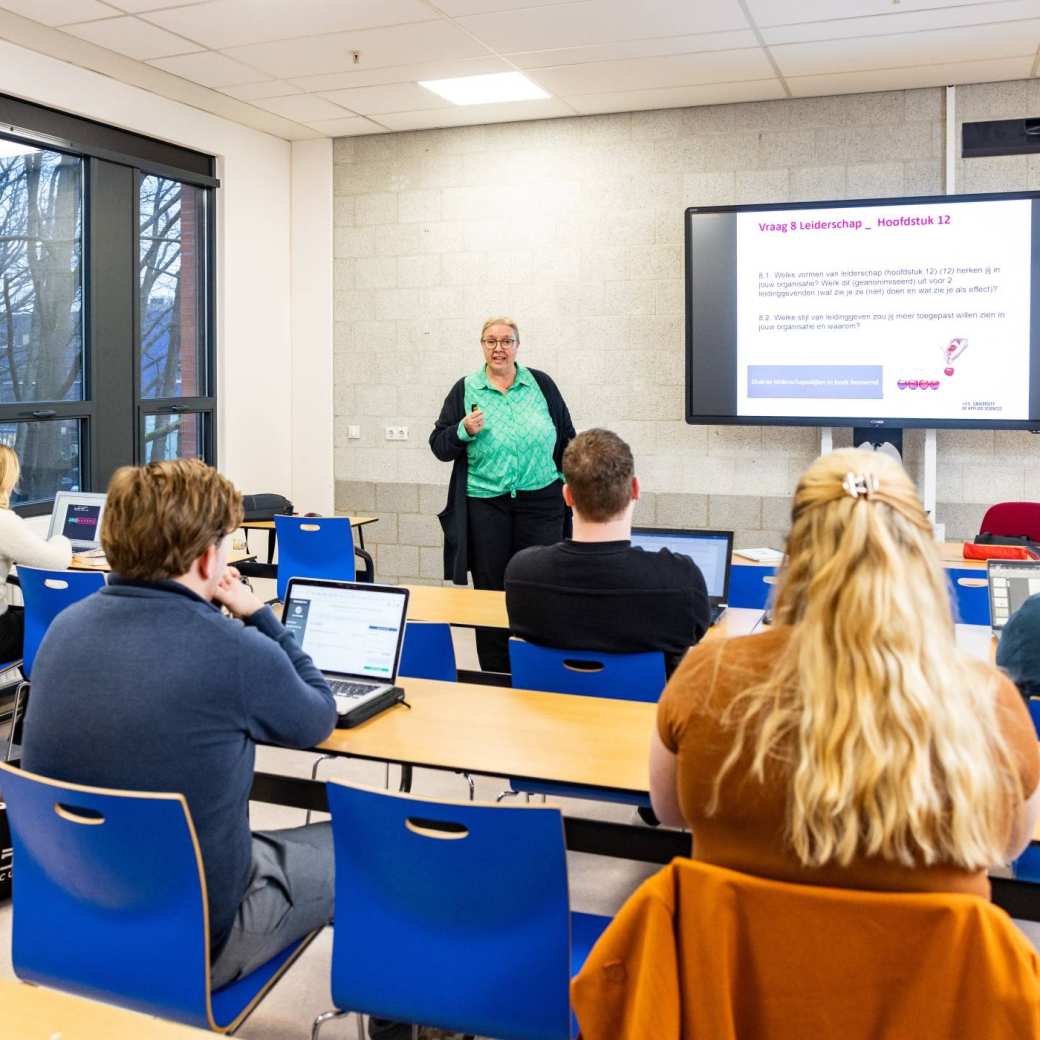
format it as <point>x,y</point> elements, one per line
<point>81,523</point>
<point>889,311</point>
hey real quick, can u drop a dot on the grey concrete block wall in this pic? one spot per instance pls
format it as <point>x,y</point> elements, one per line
<point>574,227</point>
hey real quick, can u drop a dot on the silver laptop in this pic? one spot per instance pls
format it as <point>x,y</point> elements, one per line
<point>77,515</point>
<point>353,631</point>
<point>1011,583</point>
<point>712,551</point>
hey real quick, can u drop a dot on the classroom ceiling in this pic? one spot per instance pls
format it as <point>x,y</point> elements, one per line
<point>288,67</point>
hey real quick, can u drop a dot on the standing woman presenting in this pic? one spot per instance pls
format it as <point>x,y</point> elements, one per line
<point>504,428</point>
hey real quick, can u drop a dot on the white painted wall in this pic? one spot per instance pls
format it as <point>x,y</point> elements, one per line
<point>312,382</point>
<point>254,346</point>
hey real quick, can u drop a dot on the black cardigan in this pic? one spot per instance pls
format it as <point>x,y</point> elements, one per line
<point>446,445</point>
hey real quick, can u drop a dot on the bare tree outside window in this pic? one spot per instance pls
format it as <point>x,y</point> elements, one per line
<point>171,332</point>
<point>41,308</point>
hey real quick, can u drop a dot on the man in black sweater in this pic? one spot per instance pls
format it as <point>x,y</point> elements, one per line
<point>595,591</point>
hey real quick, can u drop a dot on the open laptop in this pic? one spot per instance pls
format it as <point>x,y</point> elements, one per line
<point>712,551</point>
<point>353,632</point>
<point>1011,583</point>
<point>77,515</point>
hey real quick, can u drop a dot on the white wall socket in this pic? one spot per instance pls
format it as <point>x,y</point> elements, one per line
<point>397,433</point>
<point>353,432</point>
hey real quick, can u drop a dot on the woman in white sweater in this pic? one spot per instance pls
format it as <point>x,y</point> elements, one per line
<point>19,543</point>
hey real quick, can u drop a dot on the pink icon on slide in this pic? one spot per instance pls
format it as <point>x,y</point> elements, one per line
<point>951,352</point>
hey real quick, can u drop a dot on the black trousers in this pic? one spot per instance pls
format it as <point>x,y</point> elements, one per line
<point>12,629</point>
<point>498,528</point>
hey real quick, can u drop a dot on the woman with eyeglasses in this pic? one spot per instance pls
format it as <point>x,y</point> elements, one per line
<point>852,744</point>
<point>503,428</point>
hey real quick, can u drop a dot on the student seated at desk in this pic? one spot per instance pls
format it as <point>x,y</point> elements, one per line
<point>851,745</point>
<point>147,686</point>
<point>594,591</point>
<point>19,543</point>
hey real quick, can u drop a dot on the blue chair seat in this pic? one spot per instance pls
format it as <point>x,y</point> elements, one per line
<point>109,903</point>
<point>585,930</point>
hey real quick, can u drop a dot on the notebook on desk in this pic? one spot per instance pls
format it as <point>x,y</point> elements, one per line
<point>712,551</point>
<point>353,632</point>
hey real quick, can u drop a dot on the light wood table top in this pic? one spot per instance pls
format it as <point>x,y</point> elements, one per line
<point>100,563</point>
<point>498,731</point>
<point>268,525</point>
<point>952,554</point>
<point>37,1013</point>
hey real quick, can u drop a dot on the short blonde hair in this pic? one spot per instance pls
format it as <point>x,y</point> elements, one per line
<point>500,321</point>
<point>10,471</point>
<point>162,517</point>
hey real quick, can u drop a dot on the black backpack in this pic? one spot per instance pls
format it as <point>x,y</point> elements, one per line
<point>265,506</point>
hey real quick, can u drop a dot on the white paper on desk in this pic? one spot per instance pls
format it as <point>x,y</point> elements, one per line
<point>761,555</point>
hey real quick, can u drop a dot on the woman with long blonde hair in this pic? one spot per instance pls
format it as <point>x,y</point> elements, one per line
<point>851,744</point>
<point>19,543</point>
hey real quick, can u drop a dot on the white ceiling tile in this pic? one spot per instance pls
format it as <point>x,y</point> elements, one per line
<point>136,6</point>
<point>267,89</point>
<point>646,73</point>
<point>210,69</point>
<point>233,23</point>
<point>677,97</point>
<point>361,76</point>
<point>473,115</point>
<point>912,77</point>
<point>914,21</point>
<point>132,37</point>
<point>455,8</point>
<point>304,108</point>
<point>1001,40</point>
<point>352,126</point>
<point>723,41</point>
<point>393,97</point>
<point>781,12</point>
<point>601,21</point>
<point>401,45</point>
<point>60,12</point>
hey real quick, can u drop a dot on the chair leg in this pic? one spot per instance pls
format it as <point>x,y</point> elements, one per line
<point>507,794</point>
<point>19,706</point>
<point>472,787</point>
<point>328,1016</point>
<point>360,1027</point>
<point>415,1033</point>
<point>314,775</point>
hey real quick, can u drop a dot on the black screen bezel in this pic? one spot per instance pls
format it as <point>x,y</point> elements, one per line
<point>867,420</point>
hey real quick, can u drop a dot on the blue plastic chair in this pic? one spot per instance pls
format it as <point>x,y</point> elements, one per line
<point>428,652</point>
<point>629,677</point>
<point>46,594</point>
<point>464,912</point>
<point>1034,713</point>
<point>314,547</point>
<point>109,903</point>
<point>970,594</point>
<point>750,586</point>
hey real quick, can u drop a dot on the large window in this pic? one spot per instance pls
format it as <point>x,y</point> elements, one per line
<point>106,309</point>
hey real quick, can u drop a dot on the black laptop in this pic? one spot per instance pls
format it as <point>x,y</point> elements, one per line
<point>712,551</point>
<point>353,632</point>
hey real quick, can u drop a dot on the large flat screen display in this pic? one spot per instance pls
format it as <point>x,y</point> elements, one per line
<point>894,312</point>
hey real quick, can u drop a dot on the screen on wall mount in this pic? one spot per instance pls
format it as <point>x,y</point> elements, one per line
<point>918,311</point>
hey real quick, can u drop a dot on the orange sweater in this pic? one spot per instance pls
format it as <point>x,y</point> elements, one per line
<point>704,953</point>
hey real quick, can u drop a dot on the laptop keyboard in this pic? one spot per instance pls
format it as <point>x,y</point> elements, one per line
<point>349,690</point>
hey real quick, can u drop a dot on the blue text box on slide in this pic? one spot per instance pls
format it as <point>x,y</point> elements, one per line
<point>824,381</point>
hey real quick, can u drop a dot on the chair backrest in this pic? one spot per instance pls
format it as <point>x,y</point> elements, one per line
<point>1034,713</point>
<point>428,652</point>
<point>744,957</point>
<point>463,909</point>
<point>751,586</point>
<point>109,897</point>
<point>970,595</point>
<point>314,547</point>
<point>626,677</point>
<point>1013,519</point>
<point>46,594</point>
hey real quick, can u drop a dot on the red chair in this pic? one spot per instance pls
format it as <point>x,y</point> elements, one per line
<point>1013,520</point>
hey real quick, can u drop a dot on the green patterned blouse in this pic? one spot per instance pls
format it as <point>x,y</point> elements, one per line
<point>514,451</point>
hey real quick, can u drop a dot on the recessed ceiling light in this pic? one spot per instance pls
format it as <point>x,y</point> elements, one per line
<point>483,90</point>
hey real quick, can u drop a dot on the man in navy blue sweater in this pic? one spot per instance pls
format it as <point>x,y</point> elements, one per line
<point>146,685</point>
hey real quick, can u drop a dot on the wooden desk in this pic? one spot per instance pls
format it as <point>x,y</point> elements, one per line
<point>36,1013</point>
<point>356,522</point>
<point>80,563</point>
<point>952,554</point>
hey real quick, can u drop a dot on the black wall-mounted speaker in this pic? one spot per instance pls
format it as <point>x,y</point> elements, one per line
<point>1000,137</point>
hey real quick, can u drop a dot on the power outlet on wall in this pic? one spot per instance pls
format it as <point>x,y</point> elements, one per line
<point>397,433</point>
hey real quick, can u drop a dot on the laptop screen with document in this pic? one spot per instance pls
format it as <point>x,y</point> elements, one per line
<point>348,628</point>
<point>711,550</point>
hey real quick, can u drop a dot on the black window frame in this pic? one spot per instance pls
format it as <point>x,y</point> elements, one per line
<point>112,412</point>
